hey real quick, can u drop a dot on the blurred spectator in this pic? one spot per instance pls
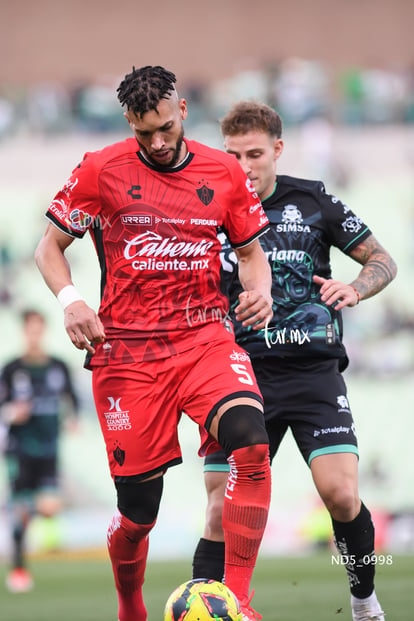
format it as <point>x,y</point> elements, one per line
<point>351,95</point>
<point>382,96</point>
<point>409,94</point>
<point>34,389</point>
<point>96,108</point>
<point>6,267</point>
<point>302,90</point>
<point>48,108</point>
<point>246,83</point>
<point>6,117</point>
<point>320,156</point>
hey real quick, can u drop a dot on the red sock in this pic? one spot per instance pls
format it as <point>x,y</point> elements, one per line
<point>245,511</point>
<point>128,549</point>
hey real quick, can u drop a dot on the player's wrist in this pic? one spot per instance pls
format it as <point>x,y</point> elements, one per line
<point>68,295</point>
<point>7,414</point>
<point>358,295</point>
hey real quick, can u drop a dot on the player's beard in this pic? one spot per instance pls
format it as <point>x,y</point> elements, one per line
<point>175,158</point>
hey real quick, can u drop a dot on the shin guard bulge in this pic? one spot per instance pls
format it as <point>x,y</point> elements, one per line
<point>245,511</point>
<point>128,549</point>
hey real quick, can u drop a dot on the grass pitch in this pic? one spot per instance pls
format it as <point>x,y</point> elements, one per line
<point>286,589</point>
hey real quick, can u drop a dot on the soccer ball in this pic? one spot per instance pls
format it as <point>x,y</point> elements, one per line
<point>202,600</point>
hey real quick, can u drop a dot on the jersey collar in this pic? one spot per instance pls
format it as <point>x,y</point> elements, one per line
<point>166,169</point>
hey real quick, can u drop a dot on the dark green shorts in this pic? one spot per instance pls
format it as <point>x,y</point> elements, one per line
<point>310,397</point>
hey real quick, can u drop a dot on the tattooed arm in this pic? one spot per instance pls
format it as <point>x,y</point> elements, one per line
<point>378,270</point>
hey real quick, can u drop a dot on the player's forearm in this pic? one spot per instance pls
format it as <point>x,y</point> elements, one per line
<point>81,322</point>
<point>255,274</point>
<point>378,270</point>
<point>255,302</point>
<point>53,265</point>
<point>374,277</point>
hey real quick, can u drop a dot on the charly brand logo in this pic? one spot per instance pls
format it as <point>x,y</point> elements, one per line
<point>134,192</point>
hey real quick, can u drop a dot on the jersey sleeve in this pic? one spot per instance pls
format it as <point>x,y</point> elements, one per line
<point>245,218</point>
<point>76,206</point>
<point>345,229</point>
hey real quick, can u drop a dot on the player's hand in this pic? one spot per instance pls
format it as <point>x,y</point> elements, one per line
<point>83,326</point>
<point>254,309</point>
<point>72,424</point>
<point>17,412</point>
<point>336,293</point>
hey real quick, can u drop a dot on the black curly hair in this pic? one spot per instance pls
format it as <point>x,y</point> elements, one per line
<point>142,89</point>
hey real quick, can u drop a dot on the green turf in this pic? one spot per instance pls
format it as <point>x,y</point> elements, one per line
<point>286,589</point>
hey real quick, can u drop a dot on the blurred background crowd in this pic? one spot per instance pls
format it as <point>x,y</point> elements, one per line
<point>300,89</point>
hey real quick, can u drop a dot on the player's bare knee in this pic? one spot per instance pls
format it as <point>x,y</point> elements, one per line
<point>342,502</point>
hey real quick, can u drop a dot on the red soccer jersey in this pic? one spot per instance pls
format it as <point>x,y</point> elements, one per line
<point>155,234</point>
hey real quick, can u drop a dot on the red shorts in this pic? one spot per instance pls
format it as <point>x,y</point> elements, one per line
<point>140,405</point>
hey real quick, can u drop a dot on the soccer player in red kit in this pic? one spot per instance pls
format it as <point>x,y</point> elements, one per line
<point>161,343</point>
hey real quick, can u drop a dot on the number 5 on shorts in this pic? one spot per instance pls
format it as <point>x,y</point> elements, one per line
<point>245,377</point>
